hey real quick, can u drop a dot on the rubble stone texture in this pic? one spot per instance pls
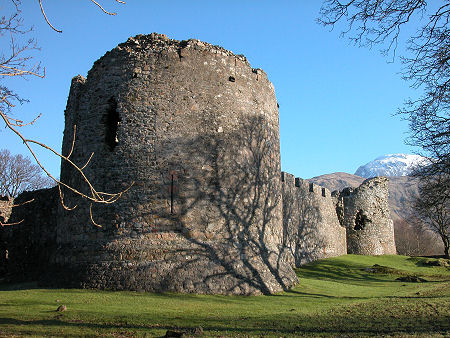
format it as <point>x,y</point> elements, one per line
<point>5,208</point>
<point>196,129</point>
<point>364,212</point>
<point>26,246</point>
<point>5,212</point>
<point>311,227</point>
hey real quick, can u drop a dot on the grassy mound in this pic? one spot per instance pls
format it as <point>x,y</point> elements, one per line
<point>335,297</point>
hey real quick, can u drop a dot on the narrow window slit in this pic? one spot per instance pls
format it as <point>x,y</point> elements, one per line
<point>173,188</point>
<point>171,194</point>
<point>111,120</point>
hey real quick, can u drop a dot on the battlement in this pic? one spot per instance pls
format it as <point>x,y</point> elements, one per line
<point>287,178</point>
<point>310,221</point>
<point>298,182</point>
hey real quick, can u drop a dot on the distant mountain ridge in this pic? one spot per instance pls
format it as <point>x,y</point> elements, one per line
<point>391,165</point>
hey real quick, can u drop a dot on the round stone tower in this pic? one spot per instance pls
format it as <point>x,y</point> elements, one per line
<point>196,129</point>
<point>364,212</point>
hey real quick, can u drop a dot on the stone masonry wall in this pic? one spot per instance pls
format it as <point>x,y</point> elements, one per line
<point>196,129</point>
<point>311,227</point>
<point>27,245</point>
<point>5,212</point>
<point>5,208</point>
<point>364,212</point>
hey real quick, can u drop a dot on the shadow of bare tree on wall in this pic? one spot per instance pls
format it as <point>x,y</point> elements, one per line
<point>235,198</point>
<point>301,222</point>
<point>213,225</point>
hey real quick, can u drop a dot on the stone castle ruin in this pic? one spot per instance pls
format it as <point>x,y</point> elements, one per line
<point>196,129</point>
<point>364,212</point>
<point>309,218</point>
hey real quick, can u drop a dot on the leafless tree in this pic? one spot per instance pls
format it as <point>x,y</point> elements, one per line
<point>426,67</point>
<point>412,238</point>
<point>432,208</point>
<point>16,60</point>
<point>426,62</point>
<point>407,240</point>
<point>18,174</point>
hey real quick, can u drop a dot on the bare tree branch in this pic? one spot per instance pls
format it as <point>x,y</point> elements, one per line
<point>18,174</point>
<point>432,207</point>
<point>18,61</point>
<point>46,19</point>
<point>372,21</point>
<point>93,1</point>
<point>426,66</point>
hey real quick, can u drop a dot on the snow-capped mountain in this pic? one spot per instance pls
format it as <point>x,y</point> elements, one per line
<point>390,165</point>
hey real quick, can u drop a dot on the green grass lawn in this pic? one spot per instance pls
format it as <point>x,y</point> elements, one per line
<point>335,297</point>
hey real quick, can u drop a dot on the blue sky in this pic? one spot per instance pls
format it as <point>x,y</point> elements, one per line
<point>336,100</point>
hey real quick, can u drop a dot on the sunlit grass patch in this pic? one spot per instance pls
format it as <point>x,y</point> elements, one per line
<point>337,296</point>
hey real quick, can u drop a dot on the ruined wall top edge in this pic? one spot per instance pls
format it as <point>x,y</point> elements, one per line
<point>372,183</point>
<point>379,181</point>
<point>158,43</point>
<point>375,180</point>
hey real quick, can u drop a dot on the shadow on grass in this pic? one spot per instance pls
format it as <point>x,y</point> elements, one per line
<point>339,273</point>
<point>19,286</point>
<point>314,295</point>
<point>270,327</point>
<point>430,261</point>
